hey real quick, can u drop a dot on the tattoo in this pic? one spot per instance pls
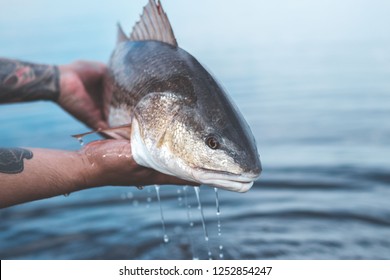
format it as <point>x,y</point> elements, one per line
<point>11,159</point>
<point>23,81</point>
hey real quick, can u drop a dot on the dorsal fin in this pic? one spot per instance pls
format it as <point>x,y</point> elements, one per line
<point>121,37</point>
<point>153,25</point>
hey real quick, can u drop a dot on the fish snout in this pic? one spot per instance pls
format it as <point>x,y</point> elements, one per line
<point>256,171</point>
<point>252,167</point>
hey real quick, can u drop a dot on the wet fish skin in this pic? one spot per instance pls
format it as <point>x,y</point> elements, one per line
<point>183,122</point>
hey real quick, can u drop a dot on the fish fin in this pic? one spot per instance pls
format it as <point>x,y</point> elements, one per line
<point>121,37</point>
<point>117,132</point>
<point>153,25</point>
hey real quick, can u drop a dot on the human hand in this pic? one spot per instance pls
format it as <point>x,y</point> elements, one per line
<point>81,92</point>
<point>110,162</point>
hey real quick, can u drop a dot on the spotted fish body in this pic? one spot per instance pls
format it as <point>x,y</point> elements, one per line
<point>182,121</point>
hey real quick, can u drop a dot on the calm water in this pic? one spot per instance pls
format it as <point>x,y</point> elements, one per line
<point>313,81</point>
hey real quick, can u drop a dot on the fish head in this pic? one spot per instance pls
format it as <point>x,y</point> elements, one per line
<point>215,152</point>
<point>205,143</point>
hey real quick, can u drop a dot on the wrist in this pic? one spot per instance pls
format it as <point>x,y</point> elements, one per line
<point>88,175</point>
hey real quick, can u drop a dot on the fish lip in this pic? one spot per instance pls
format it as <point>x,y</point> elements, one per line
<point>224,179</point>
<point>249,176</point>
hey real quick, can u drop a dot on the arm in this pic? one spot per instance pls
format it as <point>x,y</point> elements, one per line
<point>32,174</point>
<point>23,81</point>
<point>76,87</point>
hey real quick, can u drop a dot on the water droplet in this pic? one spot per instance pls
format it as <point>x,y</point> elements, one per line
<point>206,236</point>
<point>66,194</point>
<point>130,195</point>
<point>80,139</point>
<point>217,201</point>
<point>179,197</point>
<point>148,201</point>
<point>165,236</point>
<point>191,223</point>
<point>140,188</point>
<point>218,222</point>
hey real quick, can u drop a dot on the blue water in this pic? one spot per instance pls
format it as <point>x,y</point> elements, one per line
<point>311,77</point>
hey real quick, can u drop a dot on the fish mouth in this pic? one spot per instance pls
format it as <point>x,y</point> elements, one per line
<point>225,180</point>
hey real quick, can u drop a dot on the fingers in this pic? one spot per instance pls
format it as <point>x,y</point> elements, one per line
<point>116,166</point>
<point>82,92</point>
<point>90,71</point>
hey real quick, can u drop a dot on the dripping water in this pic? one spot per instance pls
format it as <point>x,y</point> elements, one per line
<point>190,222</point>
<point>217,202</point>
<point>165,236</point>
<point>148,198</point>
<point>179,197</point>
<point>218,223</point>
<point>206,236</point>
<point>81,141</point>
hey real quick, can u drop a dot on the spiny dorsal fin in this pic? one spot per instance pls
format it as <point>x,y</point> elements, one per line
<point>153,25</point>
<point>121,35</point>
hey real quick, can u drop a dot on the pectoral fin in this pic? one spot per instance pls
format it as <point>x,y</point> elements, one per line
<point>118,132</point>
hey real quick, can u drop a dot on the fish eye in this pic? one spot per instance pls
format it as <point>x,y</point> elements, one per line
<point>212,142</point>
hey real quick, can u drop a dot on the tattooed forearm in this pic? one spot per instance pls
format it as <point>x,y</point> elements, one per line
<point>11,159</point>
<point>23,81</point>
